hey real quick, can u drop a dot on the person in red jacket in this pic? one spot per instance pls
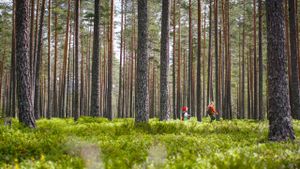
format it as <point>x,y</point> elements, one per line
<point>185,115</point>
<point>211,111</point>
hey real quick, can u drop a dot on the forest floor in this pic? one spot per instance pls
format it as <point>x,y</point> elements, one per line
<point>97,143</point>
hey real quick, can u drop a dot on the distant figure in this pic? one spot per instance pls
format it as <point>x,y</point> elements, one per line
<point>211,111</point>
<point>185,115</point>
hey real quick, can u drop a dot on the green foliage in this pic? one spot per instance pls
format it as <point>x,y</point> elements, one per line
<point>99,143</point>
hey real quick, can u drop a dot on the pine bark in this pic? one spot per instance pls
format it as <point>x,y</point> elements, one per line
<point>164,60</point>
<point>294,94</point>
<point>260,62</point>
<point>217,89</point>
<point>190,64</point>
<point>95,90</point>
<point>174,63</point>
<point>76,91</point>
<point>120,103</point>
<point>23,64</point>
<point>12,101</point>
<point>280,124</point>
<point>243,66</point>
<point>64,68</point>
<point>109,112</point>
<point>48,113</point>
<point>199,117</point>
<point>227,102</point>
<point>255,107</point>
<point>141,99</point>
<point>179,67</point>
<point>209,82</point>
<point>38,64</point>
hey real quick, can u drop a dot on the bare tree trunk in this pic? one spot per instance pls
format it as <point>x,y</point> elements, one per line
<point>121,61</point>
<point>33,57</point>
<point>109,62</point>
<point>217,89</point>
<point>48,114</point>
<point>38,64</point>
<point>203,63</point>
<point>164,60</point>
<point>209,82</point>
<point>190,86</point>
<point>12,102</point>
<point>141,99</point>
<point>228,108</point>
<point>260,99</point>
<point>255,112</point>
<point>199,117</point>
<point>55,65</point>
<point>243,66</point>
<point>132,62</point>
<point>279,108</point>
<point>76,91</point>
<point>23,64</point>
<point>294,94</point>
<point>31,51</point>
<point>64,69</point>
<point>95,92</point>
<point>82,93</point>
<point>174,63</point>
<point>179,66</point>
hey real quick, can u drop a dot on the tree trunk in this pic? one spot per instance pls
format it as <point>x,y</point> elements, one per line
<point>132,62</point>
<point>294,94</point>
<point>174,63</point>
<point>121,61</point>
<point>279,108</point>
<point>76,91</point>
<point>260,62</point>
<point>217,89</point>
<point>179,67</point>
<point>164,60</point>
<point>109,112</point>
<point>228,108</point>
<point>209,82</point>
<point>141,99</point>
<point>95,92</point>
<point>48,114</point>
<point>199,118</point>
<point>203,63</point>
<point>55,65</point>
<point>190,83</point>
<point>243,66</point>
<point>12,102</point>
<point>38,64</point>
<point>64,69</point>
<point>31,51</point>
<point>33,57</point>
<point>255,113</point>
<point>23,64</point>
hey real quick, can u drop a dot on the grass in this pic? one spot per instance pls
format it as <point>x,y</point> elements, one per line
<point>99,143</point>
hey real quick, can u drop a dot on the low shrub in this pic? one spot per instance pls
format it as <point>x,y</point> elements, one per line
<point>99,143</point>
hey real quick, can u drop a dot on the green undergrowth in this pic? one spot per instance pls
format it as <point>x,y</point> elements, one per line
<point>99,143</point>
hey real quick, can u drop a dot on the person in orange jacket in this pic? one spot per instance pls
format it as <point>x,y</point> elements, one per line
<point>211,111</point>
